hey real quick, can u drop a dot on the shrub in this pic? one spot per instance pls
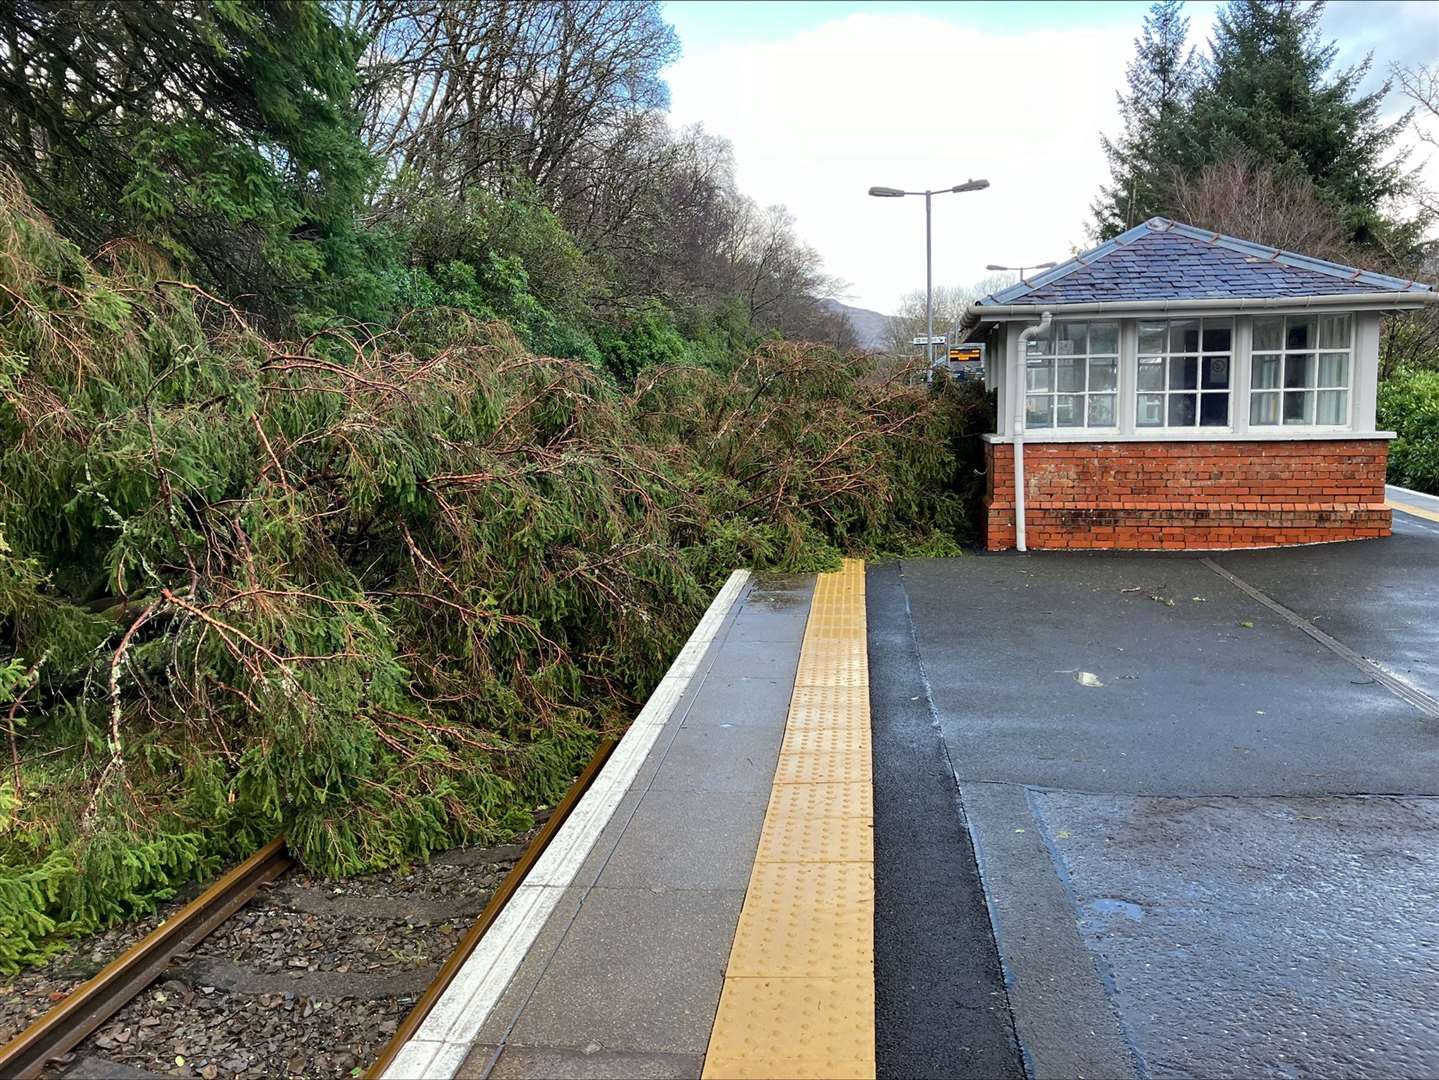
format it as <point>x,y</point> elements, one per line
<point>1409,406</point>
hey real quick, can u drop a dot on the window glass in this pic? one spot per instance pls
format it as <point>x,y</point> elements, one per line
<point>1151,373</point>
<point>1299,332</point>
<point>1183,372</point>
<point>1103,374</point>
<point>1071,375</point>
<point>1183,364</point>
<point>1291,381</point>
<point>1299,369</point>
<point>1214,373</point>
<point>1041,344</point>
<point>1217,336</point>
<point>1184,336</point>
<point>1070,340</point>
<point>1214,410</point>
<point>1334,332</point>
<point>1268,334</point>
<point>1182,410</point>
<point>1101,410</point>
<point>1333,407</point>
<point>1298,407</point>
<point>1103,338</point>
<point>1266,370</point>
<point>1152,337</point>
<point>1264,409</point>
<point>1037,409</point>
<point>1039,374</point>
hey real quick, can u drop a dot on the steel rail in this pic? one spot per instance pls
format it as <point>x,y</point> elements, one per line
<point>451,967</point>
<point>93,1002</point>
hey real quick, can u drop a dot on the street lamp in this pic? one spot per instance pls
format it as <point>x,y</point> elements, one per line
<point>896,193</point>
<point>1021,269</point>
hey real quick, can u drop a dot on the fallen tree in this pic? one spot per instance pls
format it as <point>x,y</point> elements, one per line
<point>381,591</point>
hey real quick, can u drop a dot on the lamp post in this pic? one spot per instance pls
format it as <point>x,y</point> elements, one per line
<point>896,193</point>
<point>1021,269</point>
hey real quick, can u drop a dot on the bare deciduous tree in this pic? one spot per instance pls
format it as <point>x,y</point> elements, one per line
<point>1257,202</point>
<point>563,99</point>
<point>909,321</point>
<point>1421,85</point>
<point>473,91</point>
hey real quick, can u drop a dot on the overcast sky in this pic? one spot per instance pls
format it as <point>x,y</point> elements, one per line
<point>823,99</point>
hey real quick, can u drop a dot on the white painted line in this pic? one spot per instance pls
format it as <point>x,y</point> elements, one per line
<point>414,1058</point>
<point>475,985</point>
<point>440,1045</point>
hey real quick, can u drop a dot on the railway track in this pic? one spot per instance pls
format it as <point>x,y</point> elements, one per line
<point>42,1048</point>
<point>82,1011</point>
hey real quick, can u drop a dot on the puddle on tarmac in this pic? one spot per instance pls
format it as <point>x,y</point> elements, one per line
<point>1109,908</point>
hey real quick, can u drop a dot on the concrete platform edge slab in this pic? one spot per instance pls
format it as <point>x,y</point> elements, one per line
<point>1064,1018</point>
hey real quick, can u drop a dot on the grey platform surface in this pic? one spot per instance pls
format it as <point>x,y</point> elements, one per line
<point>625,977</point>
<point>1220,860</point>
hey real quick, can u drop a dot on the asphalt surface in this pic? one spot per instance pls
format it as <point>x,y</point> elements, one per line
<point>1205,835</point>
<point>940,1003</point>
<point>1280,936</point>
<point>1380,596</point>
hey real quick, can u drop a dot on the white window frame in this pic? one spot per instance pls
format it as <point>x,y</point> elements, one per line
<point>1363,357</point>
<point>1053,355</point>
<point>1200,355</point>
<point>1314,350</point>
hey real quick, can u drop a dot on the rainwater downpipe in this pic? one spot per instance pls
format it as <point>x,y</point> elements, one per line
<point>1024,335</point>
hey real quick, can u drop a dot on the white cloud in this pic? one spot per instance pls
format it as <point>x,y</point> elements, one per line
<point>912,101</point>
<point>915,102</point>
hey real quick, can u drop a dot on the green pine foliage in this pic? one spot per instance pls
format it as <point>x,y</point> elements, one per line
<point>381,591</point>
<point>1161,80</point>
<point>221,133</point>
<point>1271,91</point>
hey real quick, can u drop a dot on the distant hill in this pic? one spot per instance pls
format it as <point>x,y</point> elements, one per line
<point>871,329</point>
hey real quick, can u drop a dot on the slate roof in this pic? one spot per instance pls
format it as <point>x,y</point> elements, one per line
<point>1168,260</point>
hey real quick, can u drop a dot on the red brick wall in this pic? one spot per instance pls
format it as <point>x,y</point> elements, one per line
<point>1189,495</point>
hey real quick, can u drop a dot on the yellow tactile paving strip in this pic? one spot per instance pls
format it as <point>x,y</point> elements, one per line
<point>1417,511</point>
<point>798,997</point>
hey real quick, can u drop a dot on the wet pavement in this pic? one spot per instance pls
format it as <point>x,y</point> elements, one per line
<point>940,1005</point>
<point>1206,837</point>
<point>1261,936</point>
<point>1381,597</point>
<point>1201,689</point>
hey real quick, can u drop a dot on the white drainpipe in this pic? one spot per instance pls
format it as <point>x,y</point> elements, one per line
<point>1024,336</point>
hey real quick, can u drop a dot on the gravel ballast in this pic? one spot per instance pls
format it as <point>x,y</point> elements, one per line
<point>309,979</point>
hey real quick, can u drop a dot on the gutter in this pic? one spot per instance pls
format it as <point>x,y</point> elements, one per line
<point>977,313</point>
<point>1024,335</point>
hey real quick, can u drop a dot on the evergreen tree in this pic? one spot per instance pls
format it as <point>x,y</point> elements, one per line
<point>220,131</point>
<point>1269,93</point>
<point>1155,109</point>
